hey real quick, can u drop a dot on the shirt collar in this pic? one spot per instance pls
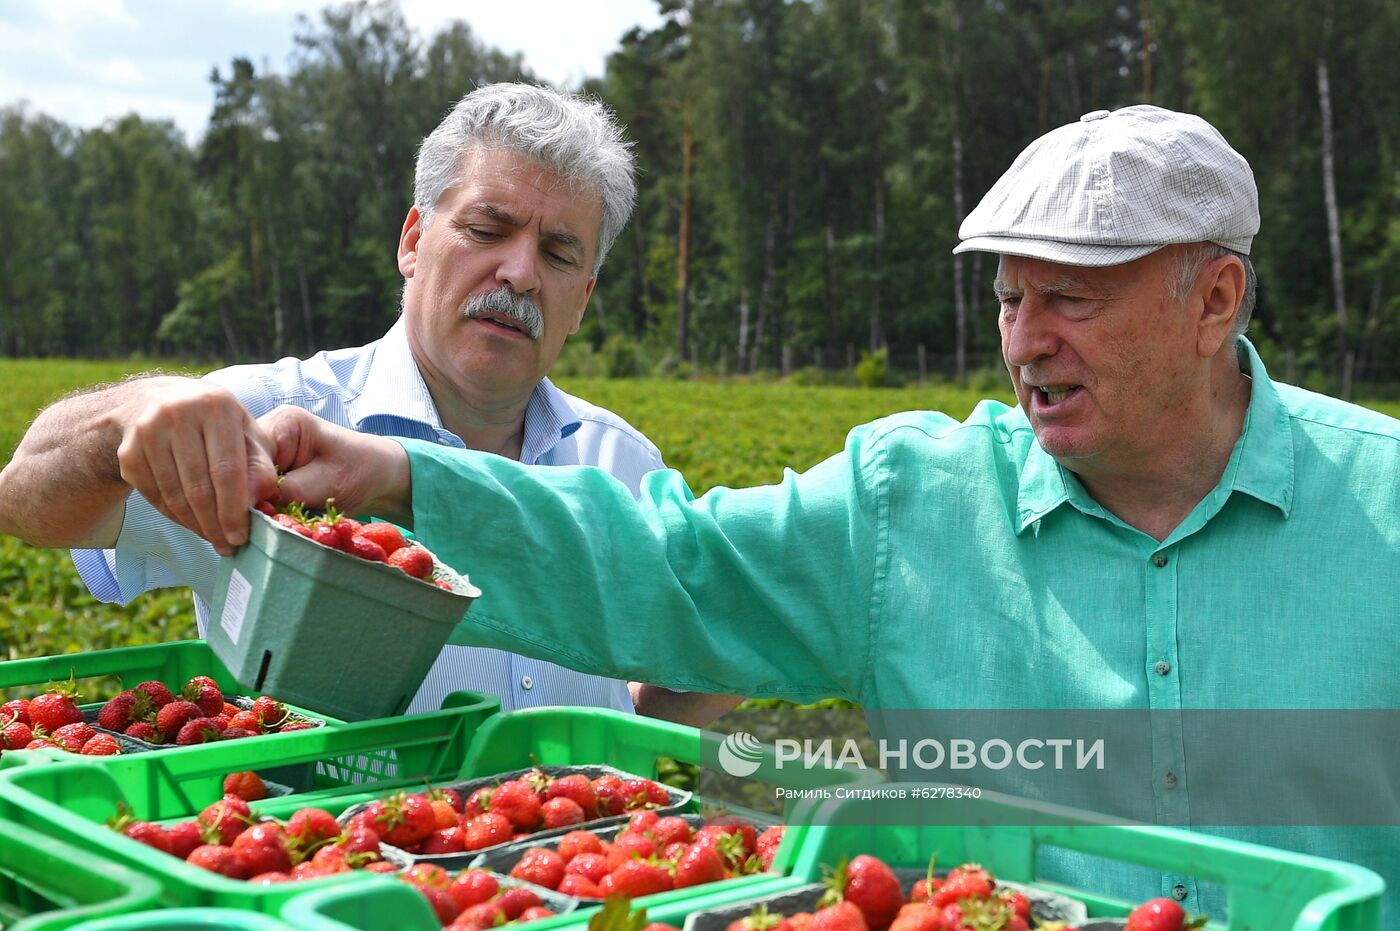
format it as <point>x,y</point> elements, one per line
<point>393,387</point>
<point>549,418</point>
<point>1261,464</point>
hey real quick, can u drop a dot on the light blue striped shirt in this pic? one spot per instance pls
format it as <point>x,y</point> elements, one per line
<point>377,389</point>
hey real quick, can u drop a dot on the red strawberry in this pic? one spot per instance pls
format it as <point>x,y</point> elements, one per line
<point>580,886</point>
<point>701,863</point>
<point>158,692</point>
<point>520,805</point>
<point>402,819</point>
<point>541,866</point>
<point>575,843</point>
<point>267,507</point>
<point>667,831</point>
<point>247,785</point>
<point>233,733</point>
<point>636,878</point>
<point>561,812</point>
<point>641,793</point>
<point>142,730</point>
<point>216,859</point>
<point>515,900</point>
<point>732,824</point>
<point>16,709</point>
<point>641,823</point>
<point>183,837</point>
<point>630,844</point>
<point>534,913</point>
<point>347,527</point>
<point>176,714</point>
<point>123,709</point>
<point>451,839</point>
<point>198,731</point>
<point>15,735</point>
<point>479,917</point>
<point>71,737</point>
<point>248,721</point>
<point>262,848</point>
<point>968,881</point>
<point>270,710</point>
<point>326,535</point>
<point>205,693</point>
<point>472,887</point>
<point>386,536</point>
<point>53,710</point>
<point>101,745</point>
<point>874,889</point>
<point>592,866</point>
<point>152,835</point>
<point>766,846</point>
<point>843,916</point>
<point>228,817</point>
<point>1161,914</point>
<point>307,826</point>
<point>488,830</point>
<point>919,916</point>
<point>443,907</point>
<point>479,802</point>
<point>414,560</point>
<point>288,522</point>
<point>443,584</point>
<point>610,798</point>
<point>574,786</point>
<point>367,549</point>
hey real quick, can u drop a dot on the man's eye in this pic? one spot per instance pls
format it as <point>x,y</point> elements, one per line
<point>558,258</point>
<point>480,233</point>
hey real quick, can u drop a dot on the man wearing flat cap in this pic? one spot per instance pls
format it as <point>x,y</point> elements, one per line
<point>1157,529</point>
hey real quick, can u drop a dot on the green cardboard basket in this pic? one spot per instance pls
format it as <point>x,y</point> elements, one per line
<point>1265,888</point>
<point>326,630</point>
<point>46,884</point>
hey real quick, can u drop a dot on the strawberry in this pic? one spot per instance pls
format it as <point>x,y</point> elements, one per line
<point>968,881</point>
<point>580,886</point>
<point>607,790</point>
<point>267,507</point>
<point>1161,914</point>
<point>515,900</point>
<point>639,793</point>
<point>574,786</point>
<point>701,863</point>
<point>174,715</point>
<point>295,726</point>
<point>386,536</point>
<point>367,549</point>
<point>16,709</point>
<point>636,878</point>
<point>198,731</point>
<point>488,830</point>
<point>143,730</point>
<point>308,826</point>
<point>427,874</point>
<point>843,916</point>
<point>289,522</point>
<point>326,535</point>
<point>667,831</point>
<point>630,844</point>
<point>158,692</point>
<point>402,820</point>
<point>451,839</point>
<point>541,866</point>
<point>472,887</point>
<point>247,721</point>
<point>71,737</point>
<point>919,916</point>
<point>732,824</point>
<point>183,837</point>
<point>535,913</point>
<point>443,584</point>
<point>347,527</point>
<point>766,846</point>
<point>592,866</point>
<point>642,822</point>
<point>233,733</point>
<point>480,917</point>
<point>270,710</point>
<point>262,848</point>
<point>575,843</point>
<point>55,708</point>
<point>267,879</point>
<point>518,802</point>
<point>228,817</point>
<point>145,832</point>
<point>414,560</point>
<point>442,905</point>
<point>15,735</point>
<point>247,785</point>
<point>872,888</point>
<point>123,709</point>
<point>561,812</point>
<point>101,745</point>
<point>479,802</point>
<point>216,859</point>
<point>760,919</point>
<point>205,693</point>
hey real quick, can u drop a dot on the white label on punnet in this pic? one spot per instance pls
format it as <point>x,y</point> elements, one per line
<point>235,605</point>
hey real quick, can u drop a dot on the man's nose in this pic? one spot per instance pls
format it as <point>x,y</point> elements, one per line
<point>517,268</point>
<point>1029,334</point>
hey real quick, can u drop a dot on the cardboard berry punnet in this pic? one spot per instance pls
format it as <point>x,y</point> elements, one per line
<point>326,630</point>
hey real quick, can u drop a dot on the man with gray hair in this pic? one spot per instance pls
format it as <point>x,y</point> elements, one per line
<point>1157,539</point>
<point>518,195</point>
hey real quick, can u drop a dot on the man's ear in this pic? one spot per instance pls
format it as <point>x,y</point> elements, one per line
<point>408,242</point>
<point>1221,288</point>
<point>583,305</point>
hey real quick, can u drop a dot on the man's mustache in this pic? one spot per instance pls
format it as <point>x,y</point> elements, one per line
<point>519,307</point>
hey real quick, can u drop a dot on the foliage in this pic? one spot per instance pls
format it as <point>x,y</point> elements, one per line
<point>873,370</point>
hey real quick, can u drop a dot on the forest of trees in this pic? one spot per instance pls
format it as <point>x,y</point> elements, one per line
<point>805,166</point>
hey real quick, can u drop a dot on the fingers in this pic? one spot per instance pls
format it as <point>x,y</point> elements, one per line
<point>320,460</point>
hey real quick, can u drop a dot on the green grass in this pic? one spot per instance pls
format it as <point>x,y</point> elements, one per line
<point>716,433</point>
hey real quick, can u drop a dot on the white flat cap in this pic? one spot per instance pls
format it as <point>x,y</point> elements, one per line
<point>1115,186</point>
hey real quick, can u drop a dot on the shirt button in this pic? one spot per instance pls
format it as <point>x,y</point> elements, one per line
<point>1179,892</point>
<point>1163,667</point>
<point>527,683</point>
<point>1169,780</point>
<point>1159,560</point>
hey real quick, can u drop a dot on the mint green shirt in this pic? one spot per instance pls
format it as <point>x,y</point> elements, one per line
<point>938,564</point>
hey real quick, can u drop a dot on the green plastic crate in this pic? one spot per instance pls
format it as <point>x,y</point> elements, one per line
<point>189,919</point>
<point>46,884</point>
<point>71,800</point>
<point>381,904</point>
<point>1266,888</point>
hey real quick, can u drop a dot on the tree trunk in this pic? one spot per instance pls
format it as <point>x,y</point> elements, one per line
<point>959,206</point>
<point>741,353</point>
<point>279,323</point>
<point>877,332</point>
<point>1345,354</point>
<point>765,290</point>
<point>1145,11</point>
<point>683,246</point>
<point>308,333</point>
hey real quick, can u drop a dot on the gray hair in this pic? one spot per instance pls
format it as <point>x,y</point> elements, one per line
<point>1192,257</point>
<point>573,136</point>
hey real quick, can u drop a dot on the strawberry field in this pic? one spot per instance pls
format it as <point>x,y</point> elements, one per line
<point>715,432</point>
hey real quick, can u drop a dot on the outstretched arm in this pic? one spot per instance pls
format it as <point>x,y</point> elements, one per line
<point>187,445</point>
